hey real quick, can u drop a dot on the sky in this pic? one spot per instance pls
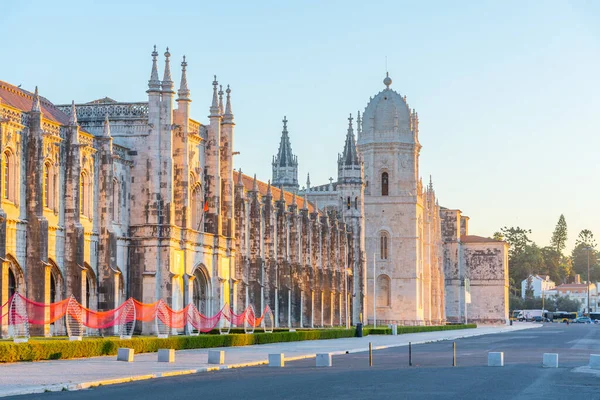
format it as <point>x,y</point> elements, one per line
<point>507,91</point>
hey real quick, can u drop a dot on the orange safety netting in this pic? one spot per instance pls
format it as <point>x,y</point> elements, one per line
<point>99,319</point>
<point>40,313</point>
<point>203,323</point>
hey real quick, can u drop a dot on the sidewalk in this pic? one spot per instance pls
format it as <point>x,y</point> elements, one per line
<point>37,377</point>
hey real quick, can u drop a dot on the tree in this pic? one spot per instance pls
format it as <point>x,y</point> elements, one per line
<point>552,262</point>
<point>585,246</point>
<point>517,240</point>
<point>559,236</point>
<point>498,236</point>
<point>529,288</point>
<point>586,238</point>
<point>566,304</point>
<point>565,270</point>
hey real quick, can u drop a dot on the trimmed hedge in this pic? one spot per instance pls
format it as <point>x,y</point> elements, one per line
<point>416,329</point>
<point>54,349</point>
<point>43,349</point>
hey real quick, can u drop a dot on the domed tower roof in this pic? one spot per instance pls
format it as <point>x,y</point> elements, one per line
<point>387,116</point>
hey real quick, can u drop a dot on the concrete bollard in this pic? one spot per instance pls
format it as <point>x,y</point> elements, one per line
<point>216,357</point>
<point>595,361</point>
<point>324,360</point>
<point>166,355</point>
<point>276,360</point>
<point>550,360</point>
<point>125,354</point>
<point>496,359</point>
<point>394,329</point>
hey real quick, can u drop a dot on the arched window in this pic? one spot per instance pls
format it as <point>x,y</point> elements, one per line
<point>383,291</point>
<point>116,200</point>
<point>383,246</point>
<point>48,186</point>
<point>197,209</point>
<point>384,184</point>
<point>348,202</point>
<point>356,203</point>
<point>82,197</point>
<point>8,175</point>
<point>85,195</point>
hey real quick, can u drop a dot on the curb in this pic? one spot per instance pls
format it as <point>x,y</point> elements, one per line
<point>135,378</point>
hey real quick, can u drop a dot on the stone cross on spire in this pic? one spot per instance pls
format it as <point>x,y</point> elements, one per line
<point>350,156</point>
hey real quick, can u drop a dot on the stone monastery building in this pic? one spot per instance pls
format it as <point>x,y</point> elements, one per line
<point>108,200</point>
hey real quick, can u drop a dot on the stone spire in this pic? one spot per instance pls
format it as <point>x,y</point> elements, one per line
<point>294,198</point>
<point>285,157</point>
<point>269,194</point>
<point>285,164</point>
<point>305,200</point>
<point>106,131</point>
<point>73,116</point>
<point>35,106</point>
<point>167,82</point>
<point>430,187</point>
<point>358,123</point>
<point>240,181</point>
<point>154,83</point>
<point>184,91</point>
<point>228,113</point>
<point>221,99</point>
<point>214,108</point>
<point>281,194</point>
<point>308,181</point>
<point>255,184</point>
<point>350,156</point>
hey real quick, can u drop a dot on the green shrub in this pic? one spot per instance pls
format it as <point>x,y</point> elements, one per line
<point>53,349</point>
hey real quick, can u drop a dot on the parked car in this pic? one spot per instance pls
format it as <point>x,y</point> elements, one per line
<point>537,318</point>
<point>583,320</point>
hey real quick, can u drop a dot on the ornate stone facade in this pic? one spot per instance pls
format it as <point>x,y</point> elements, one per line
<point>106,200</point>
<point>417,261</point>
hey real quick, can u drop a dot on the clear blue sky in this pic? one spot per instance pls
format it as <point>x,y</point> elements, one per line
<point>508,92</point>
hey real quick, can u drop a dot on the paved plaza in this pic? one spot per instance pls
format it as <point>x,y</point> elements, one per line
<point>431,376</point>
<point>43,376</point>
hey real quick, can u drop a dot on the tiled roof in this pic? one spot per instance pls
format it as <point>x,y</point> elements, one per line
<point>566,286</point>
<point>478,239</point>
<point>248,182</point>
<point>22,100</point>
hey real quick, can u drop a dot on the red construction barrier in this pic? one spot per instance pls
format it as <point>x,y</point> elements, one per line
<point>40,313</point>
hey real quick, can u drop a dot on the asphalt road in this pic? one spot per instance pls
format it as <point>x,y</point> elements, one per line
<point>431,376</point>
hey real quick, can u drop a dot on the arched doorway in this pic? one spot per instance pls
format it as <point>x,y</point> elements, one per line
<point>15,278</point>
<point>12,283</point>
<point>89,286</point>
<point>201,290</point>
<point>55,294</point>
